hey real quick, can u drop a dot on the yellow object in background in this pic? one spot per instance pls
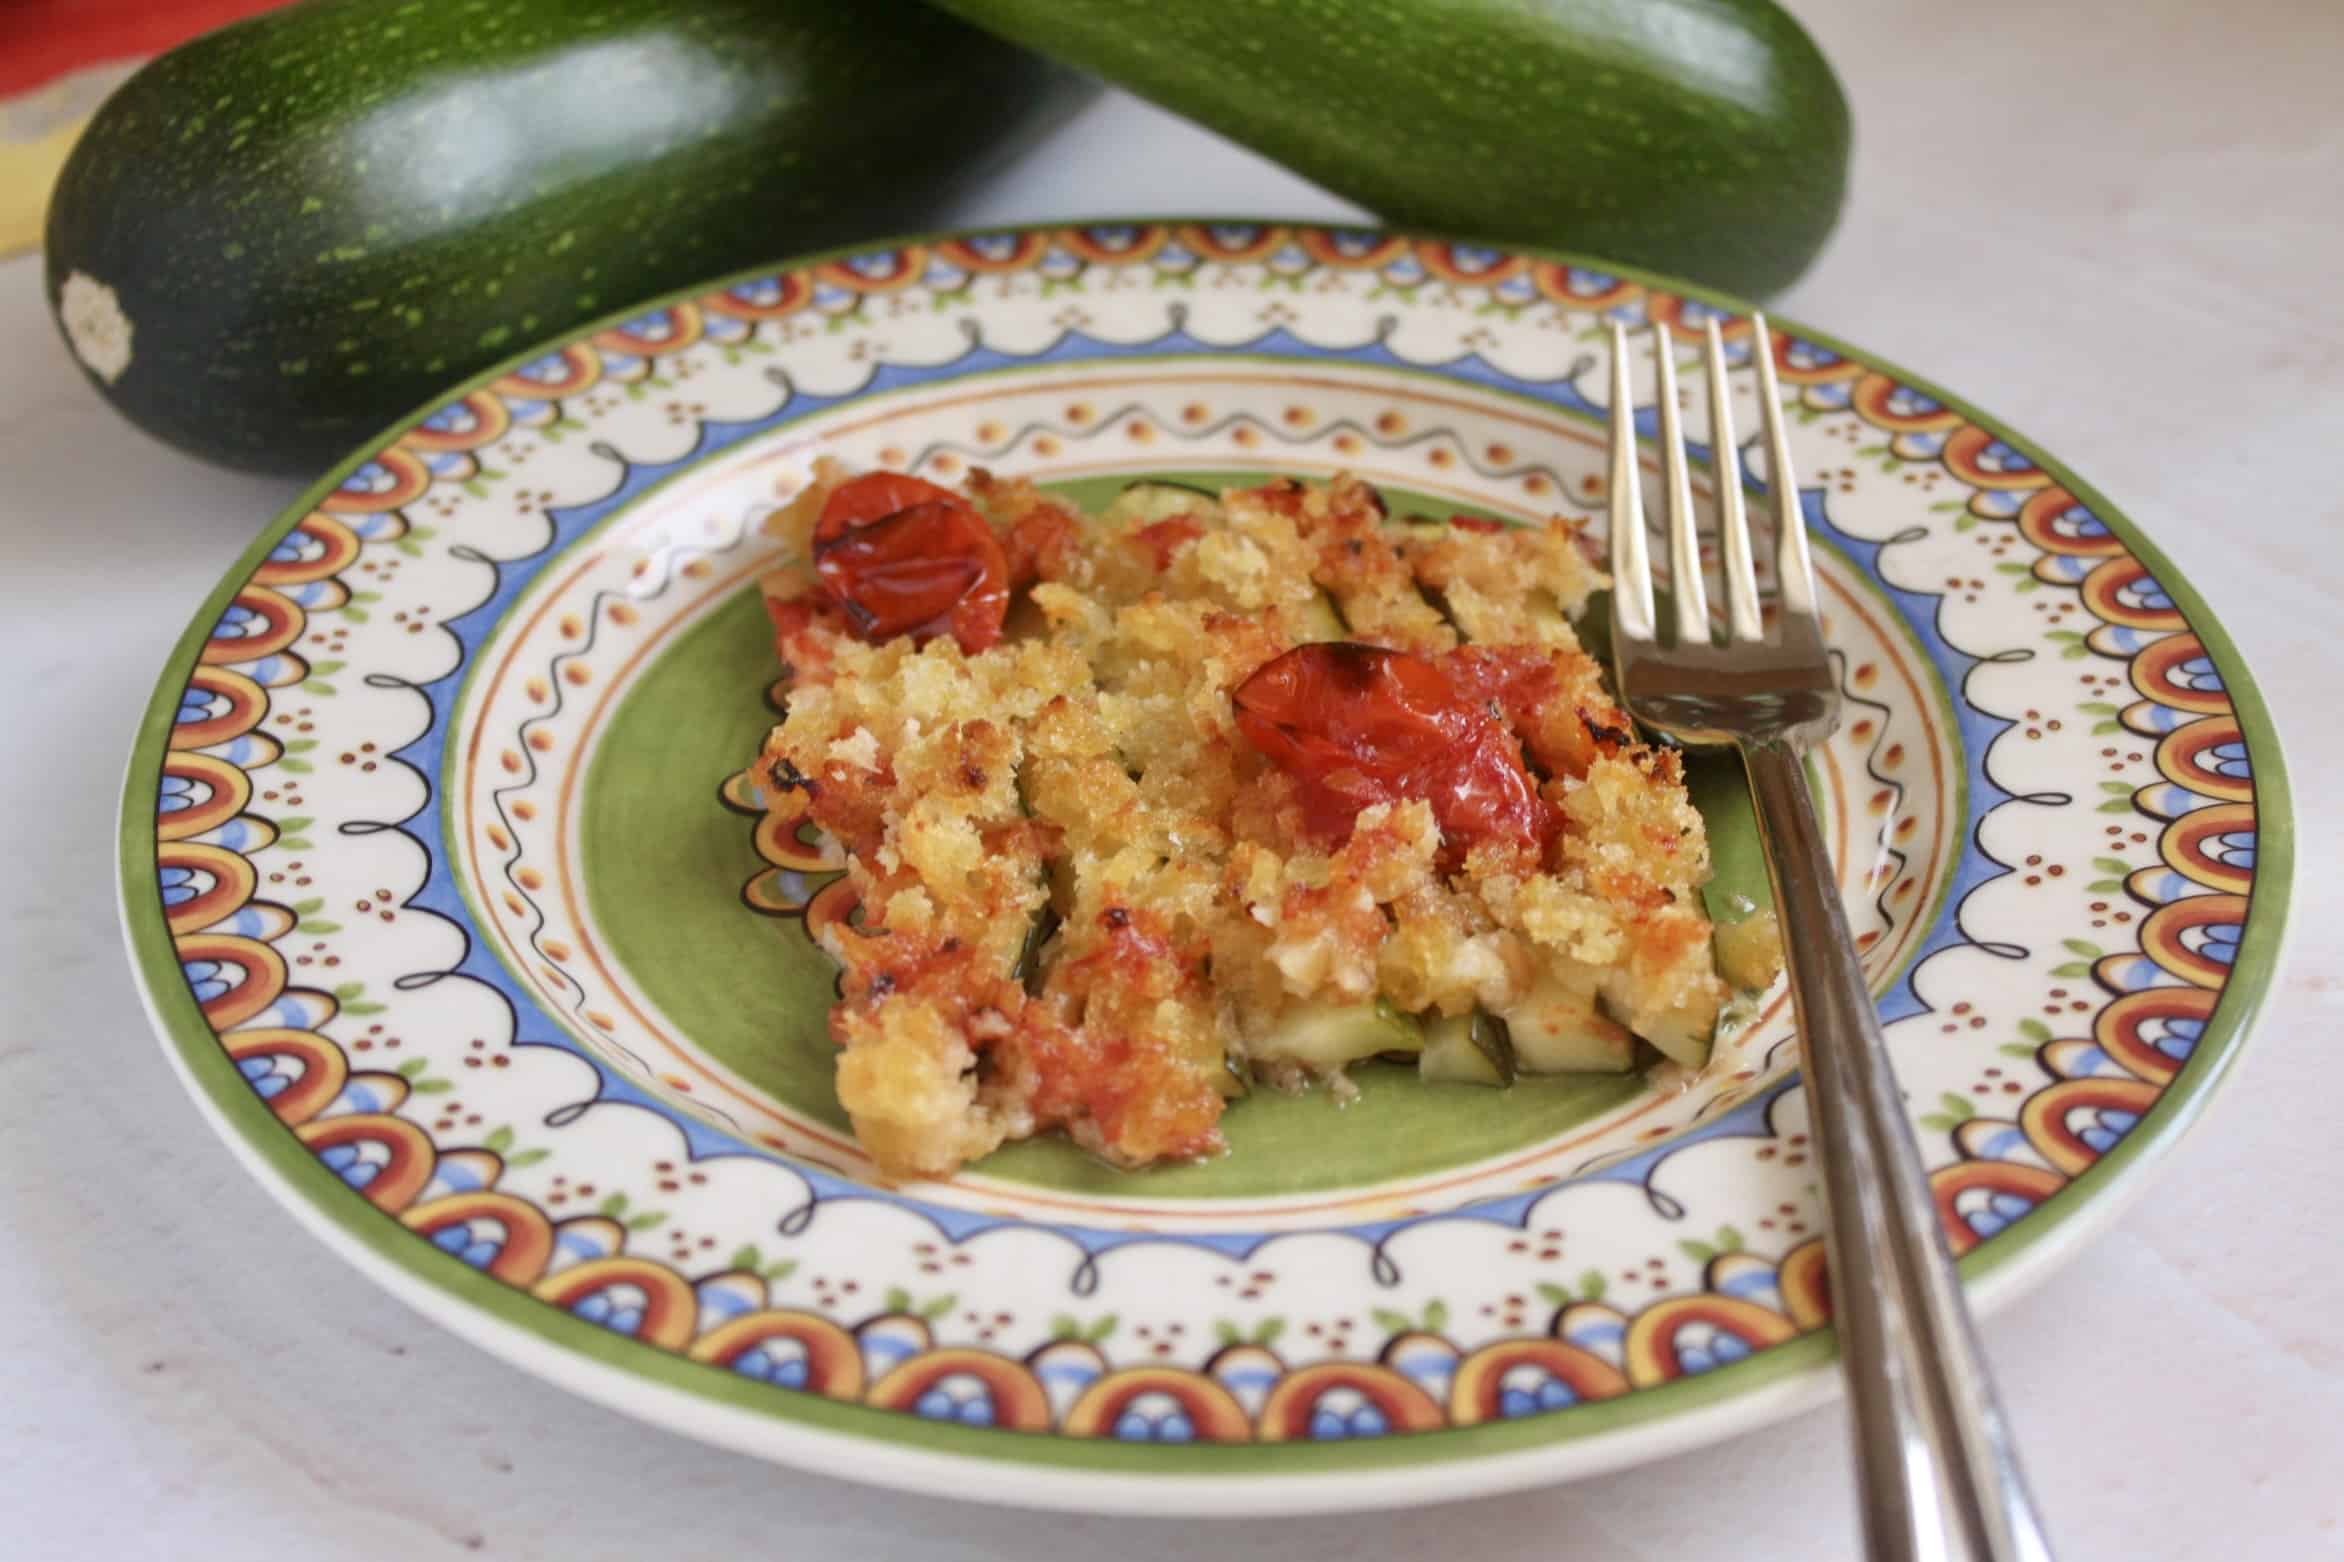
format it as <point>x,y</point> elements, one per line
<point>37,131</point>
<point>28,169</point>
<point>58,61</point>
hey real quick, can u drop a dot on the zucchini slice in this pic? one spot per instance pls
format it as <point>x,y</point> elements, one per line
<point>1151,500</point>
<point>1325,1037</point>
<point>1470,1049</point>
<point>1558,1029</point>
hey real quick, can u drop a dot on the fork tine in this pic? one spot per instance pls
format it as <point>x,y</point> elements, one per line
<point>1733,519</point>
<point>1793,567</point>
<point>1631,559</point>
<point>1684,528</point>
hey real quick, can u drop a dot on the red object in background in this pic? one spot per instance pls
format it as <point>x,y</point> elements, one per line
<point>41,40</point>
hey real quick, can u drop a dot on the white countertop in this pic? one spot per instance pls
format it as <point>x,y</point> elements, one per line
<point>2116,223</point>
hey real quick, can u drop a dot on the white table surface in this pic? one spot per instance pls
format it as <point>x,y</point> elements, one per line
<point>2118,223</point>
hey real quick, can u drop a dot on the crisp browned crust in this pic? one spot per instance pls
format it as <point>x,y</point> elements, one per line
<point>1090,766</point>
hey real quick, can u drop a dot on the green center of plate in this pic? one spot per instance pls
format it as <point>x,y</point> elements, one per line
<point>664,863</point>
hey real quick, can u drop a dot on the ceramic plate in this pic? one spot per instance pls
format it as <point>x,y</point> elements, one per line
<point>454,913</point>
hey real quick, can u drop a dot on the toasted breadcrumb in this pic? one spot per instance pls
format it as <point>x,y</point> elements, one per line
<point>1086,773</point>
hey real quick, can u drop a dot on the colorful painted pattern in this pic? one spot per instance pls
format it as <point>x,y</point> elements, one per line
<point>2174,887</point>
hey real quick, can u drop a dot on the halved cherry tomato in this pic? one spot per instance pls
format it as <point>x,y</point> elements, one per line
<point>874,496</point>
<point>1356,725</point>
<point>902,556</point>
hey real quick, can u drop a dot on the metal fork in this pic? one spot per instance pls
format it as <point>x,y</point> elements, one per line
<point>1938,1478</point>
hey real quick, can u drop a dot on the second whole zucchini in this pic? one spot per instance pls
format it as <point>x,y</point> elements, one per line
<point>1705,138</point>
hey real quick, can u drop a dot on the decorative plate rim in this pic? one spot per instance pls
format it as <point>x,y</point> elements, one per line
<point>870,1444</point>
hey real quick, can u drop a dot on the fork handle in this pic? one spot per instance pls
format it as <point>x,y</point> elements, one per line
<point>1938,1477</point>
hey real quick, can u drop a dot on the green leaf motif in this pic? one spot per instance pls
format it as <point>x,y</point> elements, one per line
<point>1592,1285</point>
<point>1938,1123</point>
<point>2115,805</point>
<point>362,1009</point>
<point>1729,1240</point>
<point>434,1087</point>
<point>1436,1316</point>
<point>302,908</point>
<point>648,1220</point>
<point>1698,1252</point>
<point>1223,1330</point>
<point>325,669</point>
<point>776,1273</point>
<point>499,1140</point>
<point>1267,1331</point>
<point>313,925</point>
<point>1101,1327</point>
<point>299,767</point>
<point>2117,788</point>
<point>1391,1322</point>
<point>2072,971</point>
<point>2034,1030</point>
<point>2083,947</point>
<point>2016,1049</point>
<point>520,1158</point>
<point>1957,1107</point>
<point>897,1300</point>
<point>615,1206</point>
<point>1063,1327</point>
<point>412,1067</point>
<point>937,1306</point>
<point>293,843</point>
<point>1552,1294</point>
<point>323,691</point>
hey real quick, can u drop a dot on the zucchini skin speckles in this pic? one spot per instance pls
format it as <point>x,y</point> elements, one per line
<point>313,222</point>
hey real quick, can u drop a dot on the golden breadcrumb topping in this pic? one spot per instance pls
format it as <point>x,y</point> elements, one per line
<point>1090,903</point>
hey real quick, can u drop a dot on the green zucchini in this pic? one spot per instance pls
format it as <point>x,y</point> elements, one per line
<point>1706,138</point>
<point>1325,1037</point>
<point>292,232</point>
<point>1557,1029</point>
<point>1470,1049</point>
<point>1149,500</point>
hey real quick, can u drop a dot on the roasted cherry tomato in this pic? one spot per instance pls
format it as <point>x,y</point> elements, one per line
<point>905,557</point>
<point>1356,725</point>
<point>874,496</point>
